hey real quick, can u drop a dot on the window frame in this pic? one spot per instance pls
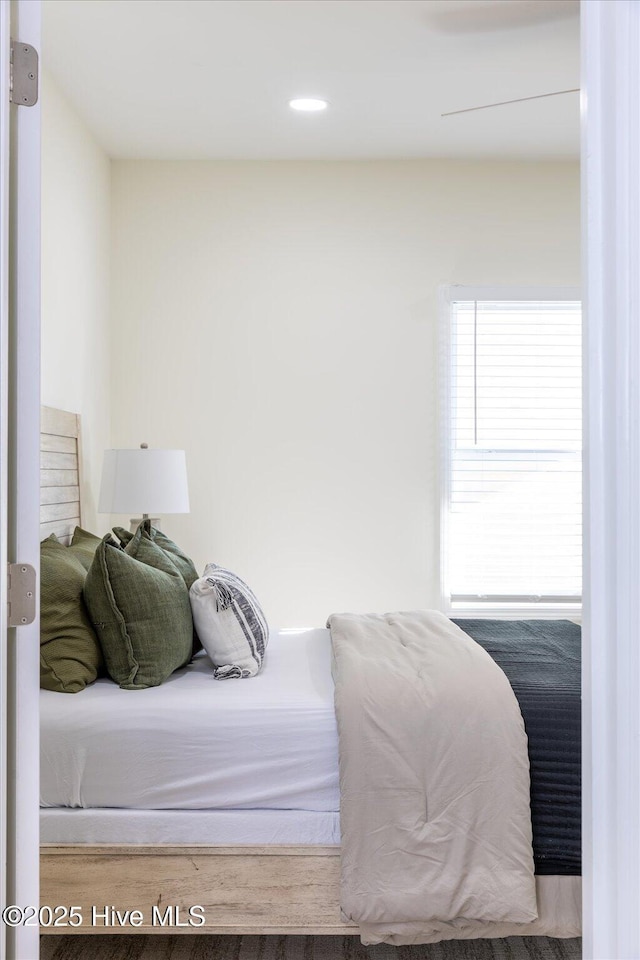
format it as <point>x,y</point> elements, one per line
<point>448,294</point>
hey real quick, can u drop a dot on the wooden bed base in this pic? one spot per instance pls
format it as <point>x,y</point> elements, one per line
<point>241,890</point>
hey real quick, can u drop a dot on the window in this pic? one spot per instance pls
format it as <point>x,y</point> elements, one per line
<point>513,477</point>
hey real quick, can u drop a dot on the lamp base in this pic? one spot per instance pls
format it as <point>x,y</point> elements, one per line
<point>136,521</point>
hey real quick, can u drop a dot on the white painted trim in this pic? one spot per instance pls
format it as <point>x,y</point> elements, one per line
<point>5,56</point>
<point>498,292</point>
<point>514,611</point>
<point>444,420</point>
<point>24,495</point>
<point>611,658</point>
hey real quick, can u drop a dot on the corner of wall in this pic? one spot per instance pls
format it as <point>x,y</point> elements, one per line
<point>76,228</point>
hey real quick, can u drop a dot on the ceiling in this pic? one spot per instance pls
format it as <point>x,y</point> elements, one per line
<point>191,79</point>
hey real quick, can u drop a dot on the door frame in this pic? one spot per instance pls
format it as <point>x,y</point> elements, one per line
<point>611,653</point>
<point>4,422</point>
<point>21,496</point>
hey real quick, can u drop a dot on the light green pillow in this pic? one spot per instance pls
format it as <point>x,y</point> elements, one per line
<point>183,563</point>
<point>70,655</point>
<point>139,606</point>
<point>84,545</point>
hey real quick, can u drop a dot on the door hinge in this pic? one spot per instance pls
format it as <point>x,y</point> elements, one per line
<point>23,83</point>
<point>21,594</point>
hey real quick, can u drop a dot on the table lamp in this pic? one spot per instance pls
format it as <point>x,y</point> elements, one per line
<point>144,481</point>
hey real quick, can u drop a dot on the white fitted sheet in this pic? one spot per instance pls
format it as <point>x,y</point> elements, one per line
<point>267,742</point>
<point>217,827</point>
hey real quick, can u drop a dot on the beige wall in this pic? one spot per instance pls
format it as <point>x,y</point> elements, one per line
<point>279,321</point>
<point>76,183</point>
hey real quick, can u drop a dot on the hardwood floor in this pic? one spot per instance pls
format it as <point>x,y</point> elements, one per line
<point>204,947</point>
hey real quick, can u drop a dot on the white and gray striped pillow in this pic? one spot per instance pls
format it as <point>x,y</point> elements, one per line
<point>230,623</point>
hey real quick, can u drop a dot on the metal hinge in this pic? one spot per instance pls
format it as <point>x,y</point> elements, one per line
<point>23,85</point>
<point>21,594</point>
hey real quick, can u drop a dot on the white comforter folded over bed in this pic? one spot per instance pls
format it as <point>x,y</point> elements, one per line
<point>434,780</point>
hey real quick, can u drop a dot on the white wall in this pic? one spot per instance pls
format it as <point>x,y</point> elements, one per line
<point>278,320</point>
<point>76,186</point>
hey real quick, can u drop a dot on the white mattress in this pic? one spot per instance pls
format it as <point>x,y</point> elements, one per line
<point>194,743</point>
<point>226,827</point>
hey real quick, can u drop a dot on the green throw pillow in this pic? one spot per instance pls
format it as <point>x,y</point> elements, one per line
<point>139,606</point>
<point>183,563</point>
<point>84,545</point>
<point>70,655</point>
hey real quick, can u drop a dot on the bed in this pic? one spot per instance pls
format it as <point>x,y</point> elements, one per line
<point>221,795</point>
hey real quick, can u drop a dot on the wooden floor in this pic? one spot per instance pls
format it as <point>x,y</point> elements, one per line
<point>203,947</point>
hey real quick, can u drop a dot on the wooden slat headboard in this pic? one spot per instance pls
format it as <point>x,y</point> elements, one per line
<point>59,473</point>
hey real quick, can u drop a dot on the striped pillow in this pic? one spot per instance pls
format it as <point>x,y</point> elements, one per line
<point>229,622</point>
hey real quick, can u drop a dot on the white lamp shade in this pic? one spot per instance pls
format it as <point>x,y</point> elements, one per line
<point>144,481</point>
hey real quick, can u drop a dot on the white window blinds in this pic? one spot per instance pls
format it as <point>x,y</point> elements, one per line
<point>514,525</point>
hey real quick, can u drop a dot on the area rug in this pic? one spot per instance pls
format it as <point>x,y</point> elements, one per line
<point>205,947</point>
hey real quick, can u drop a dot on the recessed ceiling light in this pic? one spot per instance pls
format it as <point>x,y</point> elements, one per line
<point>309,104</point>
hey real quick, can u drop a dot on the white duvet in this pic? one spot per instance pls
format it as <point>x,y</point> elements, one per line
<point>434,781</point>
